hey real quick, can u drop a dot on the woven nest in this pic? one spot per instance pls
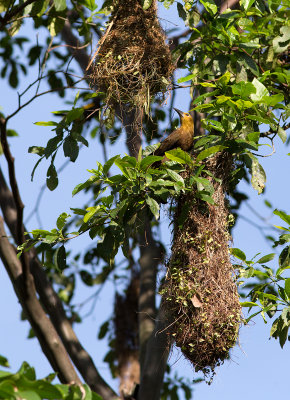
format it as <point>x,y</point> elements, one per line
<point>133,62</point>
<point>200,295</point>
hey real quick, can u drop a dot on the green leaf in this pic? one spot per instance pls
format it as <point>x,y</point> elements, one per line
<point>36,150</point>
<point>4,362</point>
<point>282,134</point>
<point>281,42</point>
<point>252,316</point>
<point>51,178</point>
<point>60,258</point>
<point>260,119</point>
<point>146,4</point>
<point>224,79</point>
<point>203,96</point>
<point>91,211</point>
<point>266,258</point>
<point>75,113</point>
<point>90,4</point>
<point>140,152</point>
<point>205,197</point>
<point>52,145</point>
<point>154,206</point>
<point>274,327</point>
<point>258,176</point>
<point>208,152</point>
<point>188,77</point>
<point>48,123</point>
<point>249,304</point>
<point>86,278</point>
<point>175,176</point>
<point>11,133</point>
<point>179,155</point>
<point>149,160</point>
<point>71,148</point>
<point>123,166</point>
<point>61,220</point>
<point>236,252</point>
<point>287,287</point>
<point>243,89</point>
<point>202,184</point>
<point>104,328</point>
<point>82,140</point>
<point>285,217</point>
<point>283,335</point>
<point>109,163</point>
<point>273,100</point>
<point>60,5</point>
<point>210,6</point>
<point>284,257</point>
<point>129,161</point>
<point>213,124</point>
<point>246,4</point>
<point>270,296</point>
<point>249,63</point>
<point>261,91</point>
<point>84,185</point>
<point>181,11</point>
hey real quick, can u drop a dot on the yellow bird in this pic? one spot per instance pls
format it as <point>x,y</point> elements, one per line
<point>182,137</point>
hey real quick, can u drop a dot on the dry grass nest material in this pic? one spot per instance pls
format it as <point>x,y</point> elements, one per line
<point>133,62</point>
<point>200,295</point>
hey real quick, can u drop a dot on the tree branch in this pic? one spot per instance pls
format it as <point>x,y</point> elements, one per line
<point>53,304</point>
<point>80,54</point>
<point>7,17</point>
<point>150,257</point>
<point>155,361</point>
<point>43,328</point>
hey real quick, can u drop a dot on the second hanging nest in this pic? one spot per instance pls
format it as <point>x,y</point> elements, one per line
<point>200,293</point>
<point>133,62</point>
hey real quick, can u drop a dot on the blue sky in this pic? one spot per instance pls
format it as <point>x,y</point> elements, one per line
<point>258,366</point>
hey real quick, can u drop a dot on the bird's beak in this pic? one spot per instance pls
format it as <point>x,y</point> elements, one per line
<point>180,113</point>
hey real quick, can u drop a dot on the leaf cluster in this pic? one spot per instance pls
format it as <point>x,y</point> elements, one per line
<point>23,384</point>
<point>122,199</point>
<point>270,290</point>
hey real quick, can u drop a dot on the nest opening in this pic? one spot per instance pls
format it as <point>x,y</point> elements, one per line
<point>200,294</point>
<point>133,62</point>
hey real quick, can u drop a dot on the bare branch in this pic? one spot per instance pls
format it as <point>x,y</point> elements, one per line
<point>43,328</point>
<point>150,257</point>
<point>155,361</point>
<point>53,304</point>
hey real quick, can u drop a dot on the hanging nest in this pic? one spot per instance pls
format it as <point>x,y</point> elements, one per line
<point>200,295</point>
<point>133,62</point>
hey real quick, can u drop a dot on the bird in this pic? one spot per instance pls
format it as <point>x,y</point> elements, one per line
<point>182,137</point>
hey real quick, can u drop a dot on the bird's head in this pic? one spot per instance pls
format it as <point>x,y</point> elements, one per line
<point>186,120</point>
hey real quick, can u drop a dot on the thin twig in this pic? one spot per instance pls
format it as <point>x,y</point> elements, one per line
<point>41,94</point>
<point>100,43</point>
<point>7,17</point>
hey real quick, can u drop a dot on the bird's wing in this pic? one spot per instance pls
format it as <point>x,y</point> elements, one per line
<point>168,144</point>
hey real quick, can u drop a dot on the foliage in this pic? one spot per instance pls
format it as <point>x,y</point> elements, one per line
<point>23,384</point>
<point>235,63</point>
<point>270,290</point>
